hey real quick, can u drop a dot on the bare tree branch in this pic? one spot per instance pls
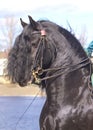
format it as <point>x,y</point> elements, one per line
<point>8,31</point>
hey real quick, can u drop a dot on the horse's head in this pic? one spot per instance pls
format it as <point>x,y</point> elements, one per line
<point>32,50</point>
<point>42,45</point>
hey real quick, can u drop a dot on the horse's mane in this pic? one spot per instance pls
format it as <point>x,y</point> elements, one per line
<point>66,33</point>
<point>68,43</point>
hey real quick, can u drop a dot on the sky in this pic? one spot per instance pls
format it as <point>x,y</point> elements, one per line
<point>78,13</point>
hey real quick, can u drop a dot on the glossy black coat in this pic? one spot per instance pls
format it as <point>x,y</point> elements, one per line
<point>68,105</point>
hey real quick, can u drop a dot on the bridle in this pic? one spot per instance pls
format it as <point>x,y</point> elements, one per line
<point>37,67</point>
<point>37,72</point>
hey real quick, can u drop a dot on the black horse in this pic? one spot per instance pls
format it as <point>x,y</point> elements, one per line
<point>50,54</point>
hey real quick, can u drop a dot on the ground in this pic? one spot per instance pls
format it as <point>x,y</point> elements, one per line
<point>8,89</point>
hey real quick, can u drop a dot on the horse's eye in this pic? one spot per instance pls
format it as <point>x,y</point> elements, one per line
<point>34,45</point>
<point>27,38</point>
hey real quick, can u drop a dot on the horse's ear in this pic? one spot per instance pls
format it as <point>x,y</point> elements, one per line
<point>33,23</point>
<point>23,23</point>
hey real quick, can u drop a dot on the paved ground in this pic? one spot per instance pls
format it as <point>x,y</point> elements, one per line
<point>20,113</point>
<point>15,90</point>
<point>8,89</point>
<point>20,107</point>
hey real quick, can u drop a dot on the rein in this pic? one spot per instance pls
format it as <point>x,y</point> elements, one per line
<point>38,68</point>
<point>63,69</point>
<point>37,72</point>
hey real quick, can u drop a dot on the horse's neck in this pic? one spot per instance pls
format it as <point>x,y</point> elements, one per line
<point>55,94</point>
<point>67,89</point>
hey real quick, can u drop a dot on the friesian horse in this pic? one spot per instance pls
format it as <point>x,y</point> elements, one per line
<point>51,56</point>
